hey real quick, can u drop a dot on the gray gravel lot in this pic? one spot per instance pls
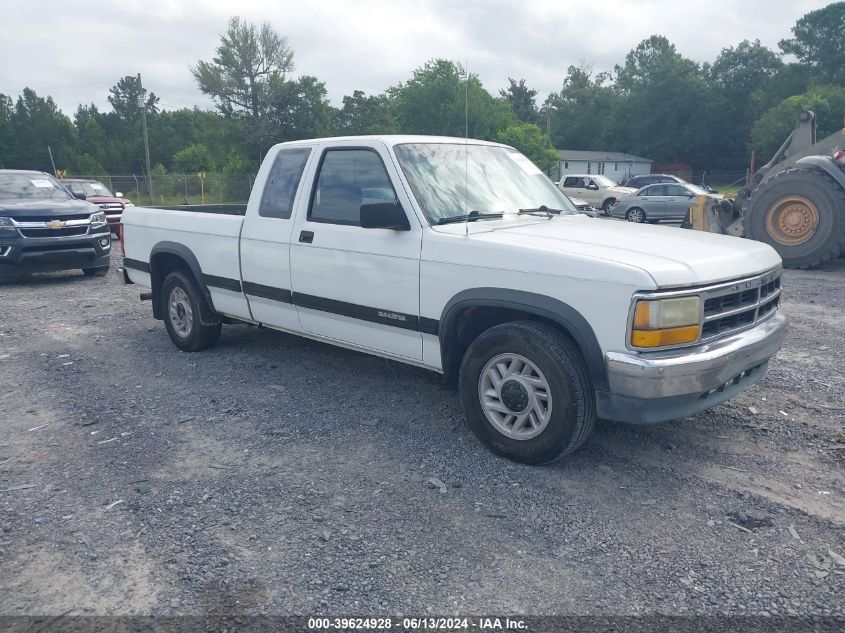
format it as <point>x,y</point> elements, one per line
<point>278,475</point>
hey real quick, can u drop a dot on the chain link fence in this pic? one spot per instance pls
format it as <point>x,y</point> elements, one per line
<point>176,189</point>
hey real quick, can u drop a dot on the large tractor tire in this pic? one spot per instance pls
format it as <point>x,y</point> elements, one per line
<point>800,213</point>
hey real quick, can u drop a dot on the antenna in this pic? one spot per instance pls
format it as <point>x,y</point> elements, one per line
<point>466,148</point>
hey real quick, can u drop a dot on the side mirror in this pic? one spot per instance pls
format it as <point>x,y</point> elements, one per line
<point>79,195</point>
<point>593,186</point>
<point>384,215</point>
<point>117,194</point>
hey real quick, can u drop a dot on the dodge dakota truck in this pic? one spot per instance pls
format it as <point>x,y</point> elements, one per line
<point>44,228</point>
<point>463,258</point>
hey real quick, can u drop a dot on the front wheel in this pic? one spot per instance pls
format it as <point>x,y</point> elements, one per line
<point>526,392</point>
<point>636,215</point>
<point>189,321</point>
<point>607,205</point>
<point>799,213</point>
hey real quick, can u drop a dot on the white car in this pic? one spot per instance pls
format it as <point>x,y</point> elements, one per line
<point>599,191</point>
<point>463,258</point>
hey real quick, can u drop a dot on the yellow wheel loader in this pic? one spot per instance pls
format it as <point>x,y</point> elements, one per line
<point>795,203</point>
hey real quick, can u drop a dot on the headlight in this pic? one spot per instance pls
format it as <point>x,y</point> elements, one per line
<point>662,322</point>
<point>6,225</point>
<point>98,219</point>
<point>128,203</point>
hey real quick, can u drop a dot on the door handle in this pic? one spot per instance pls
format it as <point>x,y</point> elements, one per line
<point>306,237</point>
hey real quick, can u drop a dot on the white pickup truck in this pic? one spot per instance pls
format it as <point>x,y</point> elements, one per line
<point>463,258</point>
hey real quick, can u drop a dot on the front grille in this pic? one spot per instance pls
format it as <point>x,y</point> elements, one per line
<point>739,304</point>
<point>50,218</point>
<point>68,231</point>
<point>111,206</point>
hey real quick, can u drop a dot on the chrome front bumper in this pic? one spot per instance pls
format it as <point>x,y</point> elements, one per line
<point>657,386</point>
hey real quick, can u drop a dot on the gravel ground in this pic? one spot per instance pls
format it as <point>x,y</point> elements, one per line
<point>277,475</point>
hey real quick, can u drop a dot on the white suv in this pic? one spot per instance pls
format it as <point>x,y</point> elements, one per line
<point>599,191</point>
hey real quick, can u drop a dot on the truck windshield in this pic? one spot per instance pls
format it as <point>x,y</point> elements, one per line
<point>30,186</point>
<point>90,189</point>
<point>448,178</point>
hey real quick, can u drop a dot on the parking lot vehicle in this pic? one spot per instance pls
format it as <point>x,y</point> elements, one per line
<point>655,203</point>
<point>795,203</point>
<point>478,268</point>
<point>45,228</point>
<point>637,182</point>
<point>96,192</point>
<point>581,205</point>
<point>600,191</point>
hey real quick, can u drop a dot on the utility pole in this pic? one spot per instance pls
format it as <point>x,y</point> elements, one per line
<point>142,103</point>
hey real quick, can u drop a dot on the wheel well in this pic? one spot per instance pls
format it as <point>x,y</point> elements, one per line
<point>606,200</point>
<point>161,265</point>
<point>471,321</point>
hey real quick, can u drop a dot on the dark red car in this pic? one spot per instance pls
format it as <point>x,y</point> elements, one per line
<point>96,192</point>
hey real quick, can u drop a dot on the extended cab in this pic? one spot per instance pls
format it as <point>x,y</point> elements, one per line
<point>44,228</point>
<point>465,259</point>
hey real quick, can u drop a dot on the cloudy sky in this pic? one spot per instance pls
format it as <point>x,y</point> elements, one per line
<point>75,51</point>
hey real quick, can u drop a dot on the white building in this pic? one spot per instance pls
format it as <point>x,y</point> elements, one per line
<point>617,166</point>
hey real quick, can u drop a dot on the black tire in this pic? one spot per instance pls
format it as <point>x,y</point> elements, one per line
<point>605,206</point>
<point>828,197</point>
<point>573,408</point>
<point>205,325</point>
<point>629,212</point>
<point>101,271</point>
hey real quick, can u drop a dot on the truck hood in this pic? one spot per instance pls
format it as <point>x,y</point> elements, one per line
<point>673,257</point>
<point>621,191</point>
<point>22,209</point>
<point>106,200</point>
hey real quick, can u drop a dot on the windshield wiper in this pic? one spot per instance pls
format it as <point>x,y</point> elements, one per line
<point>541,209</point>
<point>472,216</point>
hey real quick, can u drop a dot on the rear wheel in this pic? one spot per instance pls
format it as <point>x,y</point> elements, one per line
<point>526,392</point>
<point>189,321</point>
<point>798,212</point>
<point>635,214</point>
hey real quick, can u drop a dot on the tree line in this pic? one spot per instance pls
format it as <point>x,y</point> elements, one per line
<point>656,103</point>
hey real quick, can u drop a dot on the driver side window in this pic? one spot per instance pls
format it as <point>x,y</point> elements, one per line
<point>349,178</point>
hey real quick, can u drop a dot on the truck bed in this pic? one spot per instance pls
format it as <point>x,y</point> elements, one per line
<point>209,232</point>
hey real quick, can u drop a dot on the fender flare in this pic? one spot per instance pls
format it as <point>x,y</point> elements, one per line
<point>554,310</point>
<point>184,253</point>
<point>825,164</point>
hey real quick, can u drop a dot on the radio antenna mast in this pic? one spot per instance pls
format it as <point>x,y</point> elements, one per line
<point>466,148</point>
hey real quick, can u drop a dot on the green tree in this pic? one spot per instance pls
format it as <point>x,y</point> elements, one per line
<point>37,123</point>
<point>297,109</point>
<point>7,137</point>
<point>362,114</point>
<point>772,128</point>
<point>580,114</point>
<point>819,42</point>
<point>124,99</point>
<point>531,141</point>
<point>193,159</point>
<point>739,76</point>
<point>248,59</point>
<point>664,111</point>
<point>523,101</point>
<point>437,96</point>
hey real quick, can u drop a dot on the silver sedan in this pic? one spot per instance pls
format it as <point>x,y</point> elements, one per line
<point>655,203</point>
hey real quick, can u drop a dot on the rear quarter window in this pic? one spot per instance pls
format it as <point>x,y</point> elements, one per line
<point>282,183</point>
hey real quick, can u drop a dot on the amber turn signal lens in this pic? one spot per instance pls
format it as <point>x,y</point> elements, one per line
<point>659,338</point>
